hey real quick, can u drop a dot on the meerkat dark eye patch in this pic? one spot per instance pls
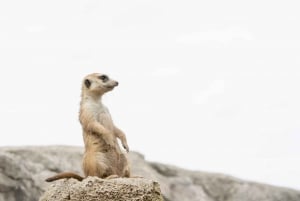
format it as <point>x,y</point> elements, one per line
<point>104,78</point>
<point>87,83</point>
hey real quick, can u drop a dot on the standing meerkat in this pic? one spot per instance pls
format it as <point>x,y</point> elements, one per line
<point>103,156</point>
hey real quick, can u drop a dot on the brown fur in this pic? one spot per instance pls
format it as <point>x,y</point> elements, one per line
<point>103,157</point>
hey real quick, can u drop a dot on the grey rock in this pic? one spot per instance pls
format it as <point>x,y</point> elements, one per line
<point>24,169</point>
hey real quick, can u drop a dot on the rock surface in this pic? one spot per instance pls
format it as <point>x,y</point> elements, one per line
<point>93,188</point>
<point>23,170</point>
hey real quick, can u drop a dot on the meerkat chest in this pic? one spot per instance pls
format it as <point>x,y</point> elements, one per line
<point>102,115</point>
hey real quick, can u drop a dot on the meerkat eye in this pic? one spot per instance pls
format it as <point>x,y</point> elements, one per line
<point>104,78</point>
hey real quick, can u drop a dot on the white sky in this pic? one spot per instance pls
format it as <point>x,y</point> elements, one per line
<point>205,85</point>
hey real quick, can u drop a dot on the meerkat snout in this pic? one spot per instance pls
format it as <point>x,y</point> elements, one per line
<point>111,84</point>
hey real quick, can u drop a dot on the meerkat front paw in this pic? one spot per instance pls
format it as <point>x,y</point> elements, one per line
<point>125,145</point>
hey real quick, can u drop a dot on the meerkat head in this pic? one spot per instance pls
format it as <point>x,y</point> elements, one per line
<point>98,83</point>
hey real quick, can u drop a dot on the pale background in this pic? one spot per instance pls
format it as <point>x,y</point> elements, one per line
<point>205,85</point>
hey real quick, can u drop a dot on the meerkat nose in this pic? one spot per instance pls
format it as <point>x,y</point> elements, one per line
<point>117,83</point>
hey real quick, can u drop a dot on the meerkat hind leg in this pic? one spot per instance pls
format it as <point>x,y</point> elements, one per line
<point>136,177</point>
<point>114,176</point>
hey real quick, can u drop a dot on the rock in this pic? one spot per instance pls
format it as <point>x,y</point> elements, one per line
<point>24,169</point>
<point>93,188</point>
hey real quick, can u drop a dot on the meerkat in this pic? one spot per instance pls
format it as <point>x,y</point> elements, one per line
<point>103,156</point>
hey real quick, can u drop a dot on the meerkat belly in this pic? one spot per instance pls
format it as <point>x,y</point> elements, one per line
<point>93,143</point>
<point>106,121</point>
<point>113,155</point>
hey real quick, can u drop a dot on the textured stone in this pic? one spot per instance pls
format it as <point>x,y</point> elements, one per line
<point>93,188</point>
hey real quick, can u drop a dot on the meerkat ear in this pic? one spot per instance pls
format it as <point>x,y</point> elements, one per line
<point>87,83</point>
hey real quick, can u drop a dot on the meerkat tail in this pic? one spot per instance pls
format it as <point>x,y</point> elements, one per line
<point>64,175</point>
